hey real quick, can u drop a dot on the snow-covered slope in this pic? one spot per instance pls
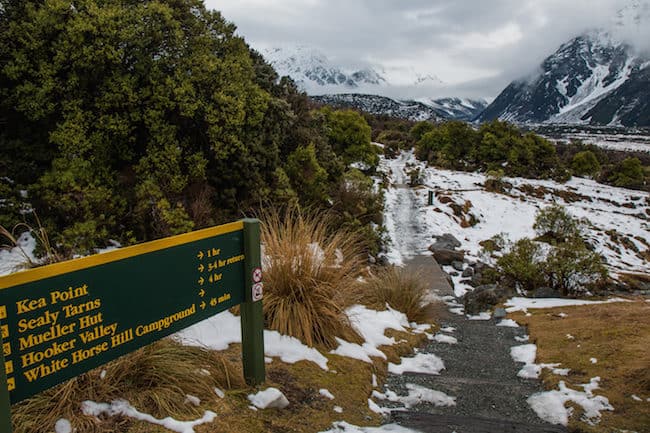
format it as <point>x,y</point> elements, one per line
<point>615,220</point>
<point>421,109</point>
<point>595,78</point>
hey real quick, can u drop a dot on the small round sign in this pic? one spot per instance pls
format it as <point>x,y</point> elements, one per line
<point>257,275</point>
<point>258,290</point>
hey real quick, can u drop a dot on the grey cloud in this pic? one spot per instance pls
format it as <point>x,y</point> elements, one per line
<point>514,35</point>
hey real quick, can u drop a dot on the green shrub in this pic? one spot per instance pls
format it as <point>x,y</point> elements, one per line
<point>307,176</point>
<point>585,163</point>
<point>572,269</point>
<point>554,224</point>
<point>628,173</point>
<point>349,135</point>
<point>521,266</point>
<point>419,129</point>
<point>358,207</point>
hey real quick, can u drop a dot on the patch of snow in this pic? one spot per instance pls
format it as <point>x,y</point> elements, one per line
<point>219,393</point>
<point>593,360</point>
<point>63,426</point>
<point>448,329</point>
<point>376,408</point>
<point>223,329</point>
<point>570,337</point>
<point>522,339</point>
<point>123,408</point>
<point>270,398</point>
<point>442,338</point>
<point>420,363</point>
<point>325,393</point>
<point>526,353</point>
<point>508,323</point>
<point>18,257</point>
<point>411,229</point>
<point>344,427</point>
<point>523,304</point>
<point>636,398</point>
<point>371,325</point>
<point>550,405</point>
<point>338,409</point>
<point>416,395</point>
<point>192,399</point>
<point>481,316</point>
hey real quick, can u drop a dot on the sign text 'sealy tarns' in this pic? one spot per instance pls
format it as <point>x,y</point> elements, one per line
<point>61,320</point>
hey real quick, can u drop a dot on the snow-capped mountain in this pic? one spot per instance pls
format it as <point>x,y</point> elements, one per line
<point>422,109</point>
<point>316,74</point>
<point>371,89</point>
<point>595,78</point>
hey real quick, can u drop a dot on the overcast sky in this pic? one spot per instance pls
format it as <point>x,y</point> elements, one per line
<point>475,46</point>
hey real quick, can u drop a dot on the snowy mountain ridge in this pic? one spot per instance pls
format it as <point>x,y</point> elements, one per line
<point>598,78</point>
<point>416,110</point>
<point>316,74</point>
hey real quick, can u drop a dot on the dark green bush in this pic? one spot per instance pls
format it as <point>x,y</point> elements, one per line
<point>554,224</point>
<point>521,265</point>
<point>585,163</point>
<point>628,173</point>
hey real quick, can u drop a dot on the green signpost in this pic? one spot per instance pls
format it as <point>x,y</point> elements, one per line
<point>61,320</point>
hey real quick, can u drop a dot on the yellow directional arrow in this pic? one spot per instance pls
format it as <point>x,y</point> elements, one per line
<point>201,281</point>
<point>200,255</point>
<point>202,293</point>
<point>201,267</point>
<point>202,305</point>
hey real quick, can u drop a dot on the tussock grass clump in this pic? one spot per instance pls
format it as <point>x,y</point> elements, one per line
<point>154,379</point>
<point>309,272</point>
<point>403,290</point>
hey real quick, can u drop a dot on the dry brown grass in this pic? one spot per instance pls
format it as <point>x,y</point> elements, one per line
<point>154,379</point>
<point>403,290</point>
<point>50,255</point>
<point>618,336</point>
<point>309,273</point>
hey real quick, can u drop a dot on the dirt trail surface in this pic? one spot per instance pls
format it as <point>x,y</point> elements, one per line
<point>479,372</point>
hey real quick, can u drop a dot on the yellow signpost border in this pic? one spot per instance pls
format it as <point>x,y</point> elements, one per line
<point>252,319</point>
<point>112,256</point>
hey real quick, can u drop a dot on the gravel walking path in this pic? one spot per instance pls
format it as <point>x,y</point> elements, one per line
<point>479,372</point>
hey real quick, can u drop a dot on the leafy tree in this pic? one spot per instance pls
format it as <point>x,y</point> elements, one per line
<point>307,176</point>
<point>521,265</point>
<point>419,129</point>
<point>129,106</point>
<point>554,223</point>
<point>572,269</point>
<point>628,173</point>
<point>432,143</point>
<point>585,163</point>
<point>349,135</point>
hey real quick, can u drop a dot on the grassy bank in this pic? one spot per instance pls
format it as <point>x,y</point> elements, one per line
<point>609,341</point>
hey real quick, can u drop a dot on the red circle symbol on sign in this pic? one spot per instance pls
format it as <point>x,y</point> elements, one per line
<point>257,275</point>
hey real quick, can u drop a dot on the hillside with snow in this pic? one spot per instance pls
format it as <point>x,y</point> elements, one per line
<point>616,219</point>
